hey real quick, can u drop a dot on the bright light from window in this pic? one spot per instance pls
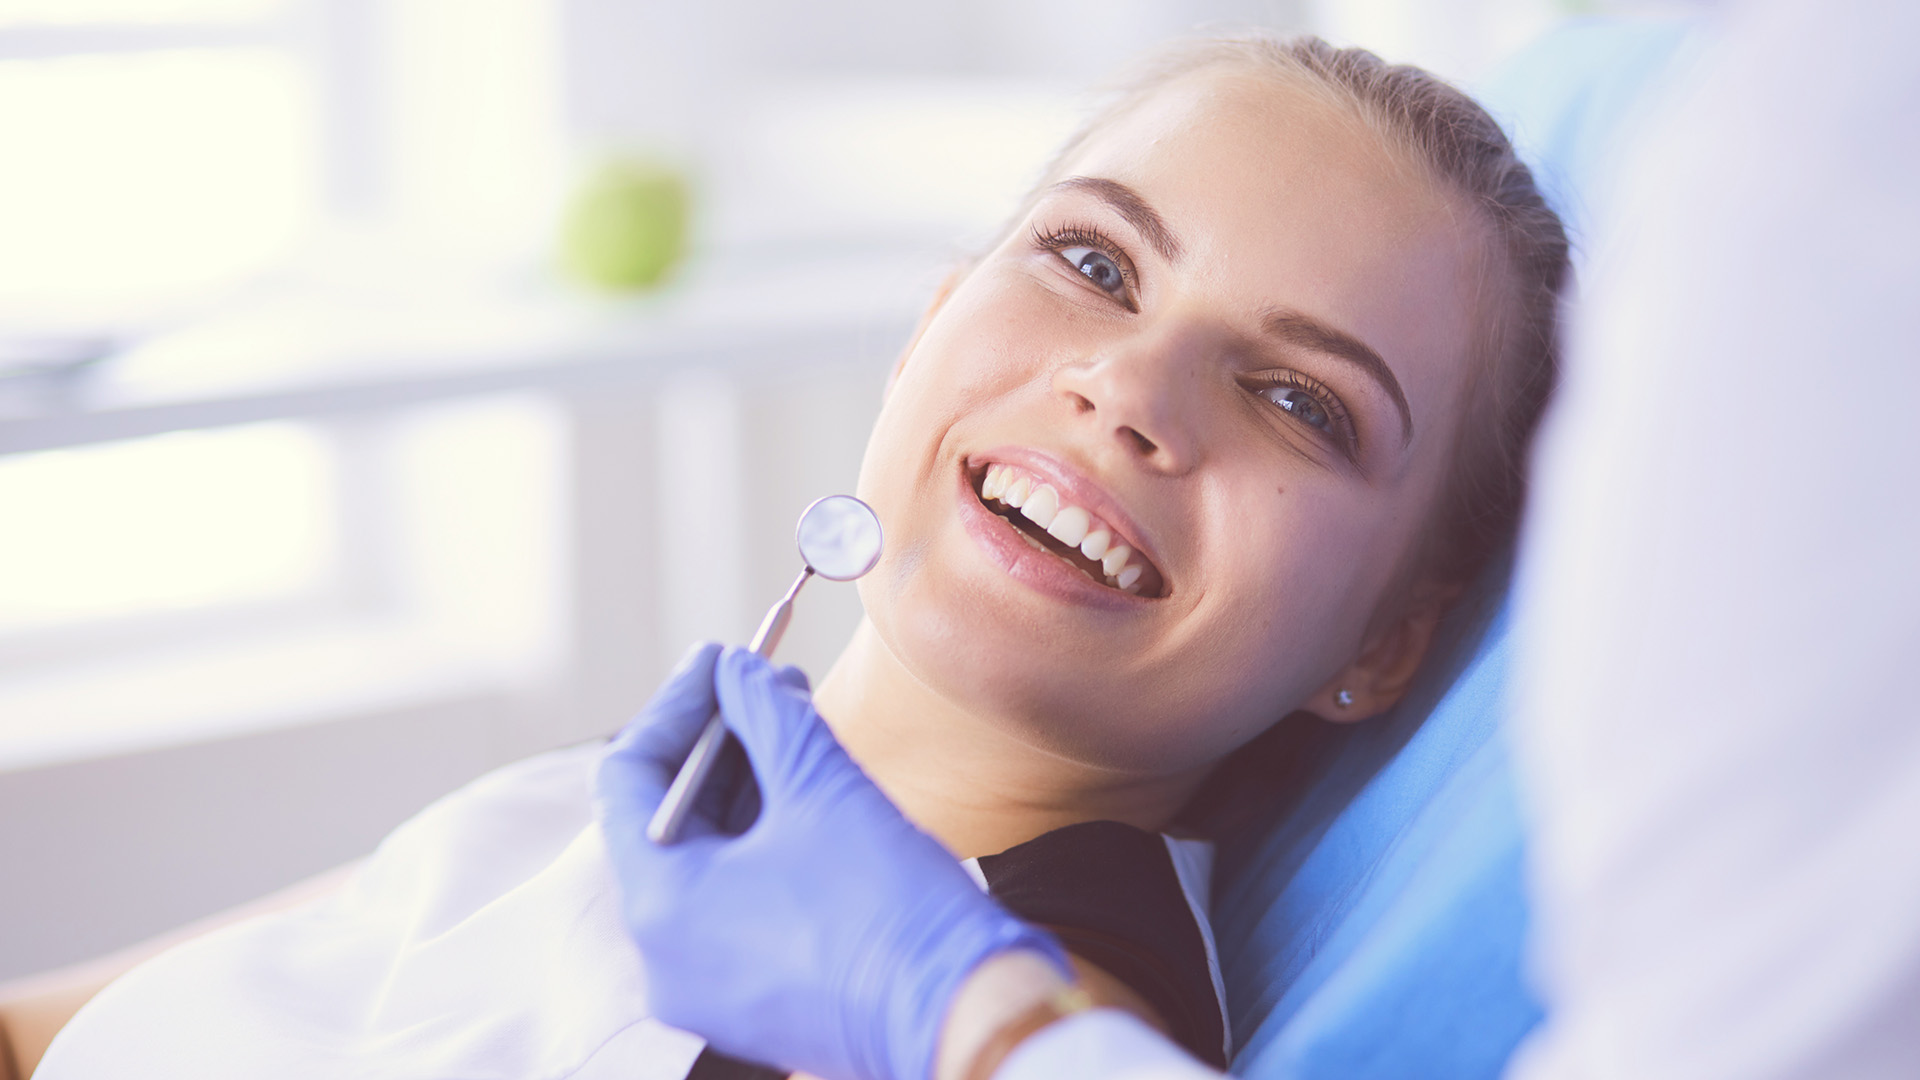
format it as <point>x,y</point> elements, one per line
<point>194,519</point>
<point>149,177</point>
<point>134,11</point>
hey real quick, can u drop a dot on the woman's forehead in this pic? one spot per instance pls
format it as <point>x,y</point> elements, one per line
<point>1263,152</point>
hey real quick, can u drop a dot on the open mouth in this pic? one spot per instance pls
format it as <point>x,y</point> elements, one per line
<point>1071,533</point>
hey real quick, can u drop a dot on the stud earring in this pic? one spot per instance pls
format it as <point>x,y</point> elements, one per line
<point>1343,697</point>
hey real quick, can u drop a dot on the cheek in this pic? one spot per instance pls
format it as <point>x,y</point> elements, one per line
<point>983,352</point>
<point>970,363</point>
<point>966,356</point>
<point>991,332</point>
<point>1291,587</point>
<point>1317,562</point>
<point>1275,631</point>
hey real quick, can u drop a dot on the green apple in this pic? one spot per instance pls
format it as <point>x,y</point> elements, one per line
<point>627,225</point>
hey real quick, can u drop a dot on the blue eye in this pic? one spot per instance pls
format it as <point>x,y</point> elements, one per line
<point>1101,270</point>
<point>1301,404</point>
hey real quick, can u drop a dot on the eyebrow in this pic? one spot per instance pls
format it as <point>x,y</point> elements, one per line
<point>1306,332</point>
<point>1128,204</point>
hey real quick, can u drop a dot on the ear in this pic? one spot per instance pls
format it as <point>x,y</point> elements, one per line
<point>940,294</point>
<point>1378,679</point>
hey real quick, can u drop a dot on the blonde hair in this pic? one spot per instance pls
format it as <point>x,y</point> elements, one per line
<point>1463,150</point>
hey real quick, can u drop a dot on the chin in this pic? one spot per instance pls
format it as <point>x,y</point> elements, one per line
<point>1017,676</point>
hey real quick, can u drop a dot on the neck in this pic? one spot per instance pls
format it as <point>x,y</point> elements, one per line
<point>969,779</point>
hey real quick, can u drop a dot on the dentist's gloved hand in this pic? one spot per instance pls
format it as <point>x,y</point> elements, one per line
<point>831,934</point>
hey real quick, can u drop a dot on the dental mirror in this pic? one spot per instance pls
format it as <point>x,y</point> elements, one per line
<point>839,539</point>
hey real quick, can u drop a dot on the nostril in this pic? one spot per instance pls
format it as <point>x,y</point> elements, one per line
<point>1145,444</point>
<point>1081,404</point>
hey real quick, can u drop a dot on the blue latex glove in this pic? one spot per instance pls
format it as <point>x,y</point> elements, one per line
<point>831,934</point>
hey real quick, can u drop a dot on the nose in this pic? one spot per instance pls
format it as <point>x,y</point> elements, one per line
<point>1143,397</point>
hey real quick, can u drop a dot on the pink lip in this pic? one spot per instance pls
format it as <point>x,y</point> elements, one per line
<point>1047,573</point>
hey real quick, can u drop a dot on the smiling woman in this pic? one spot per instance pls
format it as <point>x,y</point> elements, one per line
<point>1213,434</point>
<point>1246,323</point>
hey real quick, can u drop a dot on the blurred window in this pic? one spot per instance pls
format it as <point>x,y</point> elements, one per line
<point>167,165</point>
<point>176,522</point>
<point>166,587</point>
<point>157,153</point>
<point>155,177</point>
<point>155,150</point>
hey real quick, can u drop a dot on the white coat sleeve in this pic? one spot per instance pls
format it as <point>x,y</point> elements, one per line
<point>1101,1044</point>
<point>1717,717</point>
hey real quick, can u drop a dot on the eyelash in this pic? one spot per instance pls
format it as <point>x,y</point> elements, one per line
<point>1343,430</point>
<point>1060,238</point>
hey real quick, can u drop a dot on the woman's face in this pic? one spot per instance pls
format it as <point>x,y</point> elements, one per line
<point>1235,339</point>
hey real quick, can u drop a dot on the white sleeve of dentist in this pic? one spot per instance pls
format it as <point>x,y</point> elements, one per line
<point>1718,721</point>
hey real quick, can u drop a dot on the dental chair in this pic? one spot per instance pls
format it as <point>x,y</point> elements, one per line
<point>1375,927</point>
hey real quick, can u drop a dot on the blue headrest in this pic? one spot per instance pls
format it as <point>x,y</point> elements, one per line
<point>1373,924</point>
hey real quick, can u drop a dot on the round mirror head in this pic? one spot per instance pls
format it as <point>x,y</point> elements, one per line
<point>839,537</point>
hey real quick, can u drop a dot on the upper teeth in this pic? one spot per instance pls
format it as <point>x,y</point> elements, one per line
<point>1071,525</point>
